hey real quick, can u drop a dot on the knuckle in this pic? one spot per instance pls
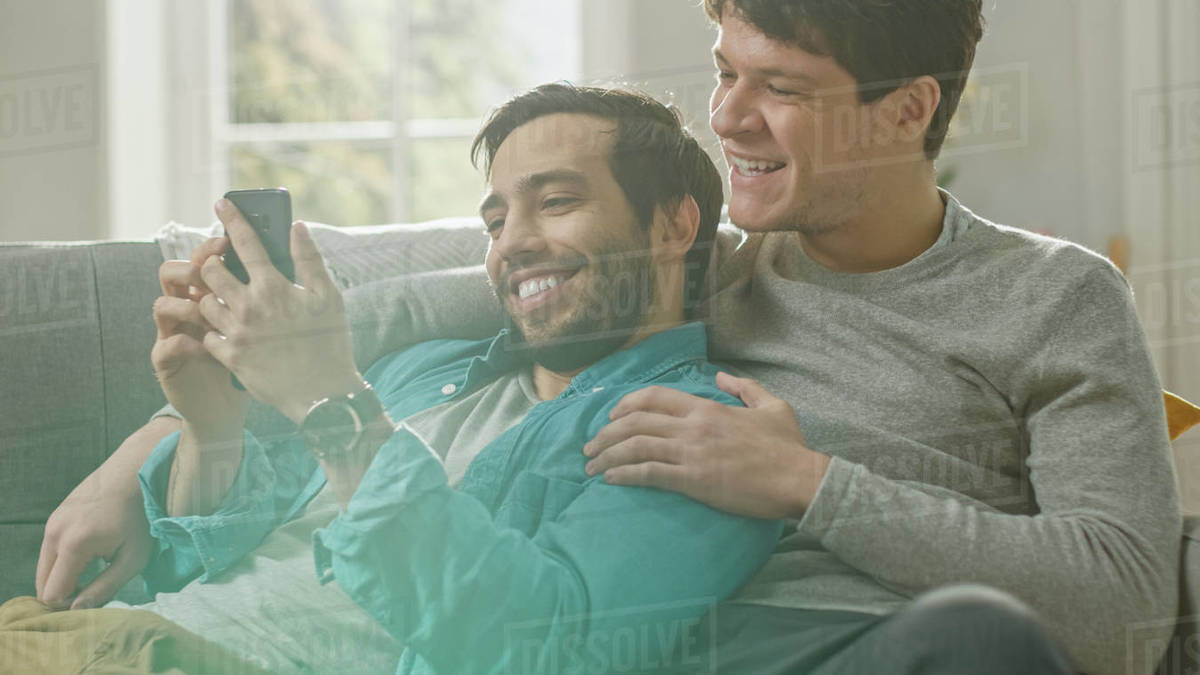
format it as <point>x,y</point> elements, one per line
<point>73,540</point>
<point>651,471</point>
<point>169,269</point>
<point>161,305</point>
<point>54,529</point>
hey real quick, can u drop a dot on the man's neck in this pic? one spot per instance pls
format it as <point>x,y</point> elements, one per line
<point>549,384</point>
<point>902,220</point>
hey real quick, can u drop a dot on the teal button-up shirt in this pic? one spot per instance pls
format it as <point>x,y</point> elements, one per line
<point>529,565</point>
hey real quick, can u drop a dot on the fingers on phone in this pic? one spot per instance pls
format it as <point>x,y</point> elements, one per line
<point>174,315</point>
<point>181,279</point>
<point>210,247</point>
<point>242,237</point>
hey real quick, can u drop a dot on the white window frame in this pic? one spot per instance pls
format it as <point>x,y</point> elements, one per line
<point>177,165</point>
<point>396,133</point>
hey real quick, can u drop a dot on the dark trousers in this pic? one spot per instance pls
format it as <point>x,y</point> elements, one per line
<point>958,629</point>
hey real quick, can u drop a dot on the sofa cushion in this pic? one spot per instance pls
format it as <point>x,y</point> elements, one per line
<point>1181,415</point>
<point>52,402</point>
<point>126,286</point>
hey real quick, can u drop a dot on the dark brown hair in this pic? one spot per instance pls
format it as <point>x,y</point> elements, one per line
<point>882,43</point>
<point>654,159</point>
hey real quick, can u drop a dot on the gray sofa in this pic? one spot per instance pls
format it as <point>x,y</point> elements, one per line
<point>75,374</point>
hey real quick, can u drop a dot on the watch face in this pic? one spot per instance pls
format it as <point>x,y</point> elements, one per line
<point>330,428</point>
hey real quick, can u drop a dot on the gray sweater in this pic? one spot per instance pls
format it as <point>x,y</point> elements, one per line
<point>991,408</point>
<point>993,416</point>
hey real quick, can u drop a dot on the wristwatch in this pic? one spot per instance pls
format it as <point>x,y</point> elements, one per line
<point>334,426</point>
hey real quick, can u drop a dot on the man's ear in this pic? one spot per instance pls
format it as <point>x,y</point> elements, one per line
<point>908,112</point>
<point>678,228</point>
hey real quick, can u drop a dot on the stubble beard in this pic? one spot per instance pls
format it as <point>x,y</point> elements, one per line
<point>614,302</point>
<point>829,205</point>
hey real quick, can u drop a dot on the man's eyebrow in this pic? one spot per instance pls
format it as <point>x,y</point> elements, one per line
<point>537,181</point>
<point>768,72</point>
<point>534,182</point>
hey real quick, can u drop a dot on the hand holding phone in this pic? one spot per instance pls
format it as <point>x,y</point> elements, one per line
<point>269,213</point>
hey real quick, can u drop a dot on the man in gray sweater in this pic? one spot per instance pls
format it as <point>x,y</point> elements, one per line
<point>961,419</point>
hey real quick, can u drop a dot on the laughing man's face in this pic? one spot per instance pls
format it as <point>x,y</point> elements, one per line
<point>568,259</point>
<point>794,134</point>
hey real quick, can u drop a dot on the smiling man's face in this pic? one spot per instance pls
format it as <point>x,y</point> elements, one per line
<point>794,134</point>
<point>568,259</point>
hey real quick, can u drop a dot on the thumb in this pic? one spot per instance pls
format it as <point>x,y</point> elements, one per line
<point>751,392</point>
<point>107,583</point>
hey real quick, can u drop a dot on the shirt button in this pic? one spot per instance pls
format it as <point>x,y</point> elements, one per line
<point>597,389</point>
<point>449,389</point>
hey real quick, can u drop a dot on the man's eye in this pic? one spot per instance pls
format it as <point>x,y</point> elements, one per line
<point>558,202</point>
<point>725,76</point>
<point>776,91</point>
<point>494,225</point>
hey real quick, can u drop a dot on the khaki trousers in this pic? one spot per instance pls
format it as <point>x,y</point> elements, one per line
<point>34,639</point>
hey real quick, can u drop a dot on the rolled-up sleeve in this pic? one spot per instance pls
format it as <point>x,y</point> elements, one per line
<point>188,547</point>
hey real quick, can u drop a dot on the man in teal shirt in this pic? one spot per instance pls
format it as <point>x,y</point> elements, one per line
<point>601,209</point>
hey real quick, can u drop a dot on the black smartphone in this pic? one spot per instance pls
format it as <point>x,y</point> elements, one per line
<point>269,212</point>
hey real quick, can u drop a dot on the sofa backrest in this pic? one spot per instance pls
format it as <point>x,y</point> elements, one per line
<point>75,377</point>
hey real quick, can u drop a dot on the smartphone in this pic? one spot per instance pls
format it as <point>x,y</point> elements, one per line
<point>269,212</point>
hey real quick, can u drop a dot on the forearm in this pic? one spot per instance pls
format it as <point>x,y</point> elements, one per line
<point>202,472</point>
<point>119,472</point>
<point>1089,573</point>
<point>345,473</point>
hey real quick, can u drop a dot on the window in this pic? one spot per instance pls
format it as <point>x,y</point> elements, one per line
<point>365,109</point>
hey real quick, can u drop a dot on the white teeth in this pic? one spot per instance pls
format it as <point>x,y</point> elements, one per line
<point>754,168</point>
<point>532,287</point>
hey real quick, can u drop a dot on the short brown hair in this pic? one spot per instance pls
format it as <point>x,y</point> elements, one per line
<point>654,159</point>
<point>882,43</point>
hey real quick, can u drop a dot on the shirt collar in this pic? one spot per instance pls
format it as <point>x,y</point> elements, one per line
<point>644,361</point>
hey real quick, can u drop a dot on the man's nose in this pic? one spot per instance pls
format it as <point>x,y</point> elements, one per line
<point>519,237</point>
<point>735,111</point>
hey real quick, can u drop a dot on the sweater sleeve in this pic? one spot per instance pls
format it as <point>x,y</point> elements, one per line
<point>1100,559</point>
<point>391,314</point>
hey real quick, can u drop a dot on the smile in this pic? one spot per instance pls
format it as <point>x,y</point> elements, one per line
<point>753,168</point>
<point>539,285</point>
<point>535,291</point>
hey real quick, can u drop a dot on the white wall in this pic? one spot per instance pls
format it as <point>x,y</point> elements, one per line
<point>52,132</point>
<point>660,46</point>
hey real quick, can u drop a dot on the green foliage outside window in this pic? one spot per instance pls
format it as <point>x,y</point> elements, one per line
<point>323,61</point>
